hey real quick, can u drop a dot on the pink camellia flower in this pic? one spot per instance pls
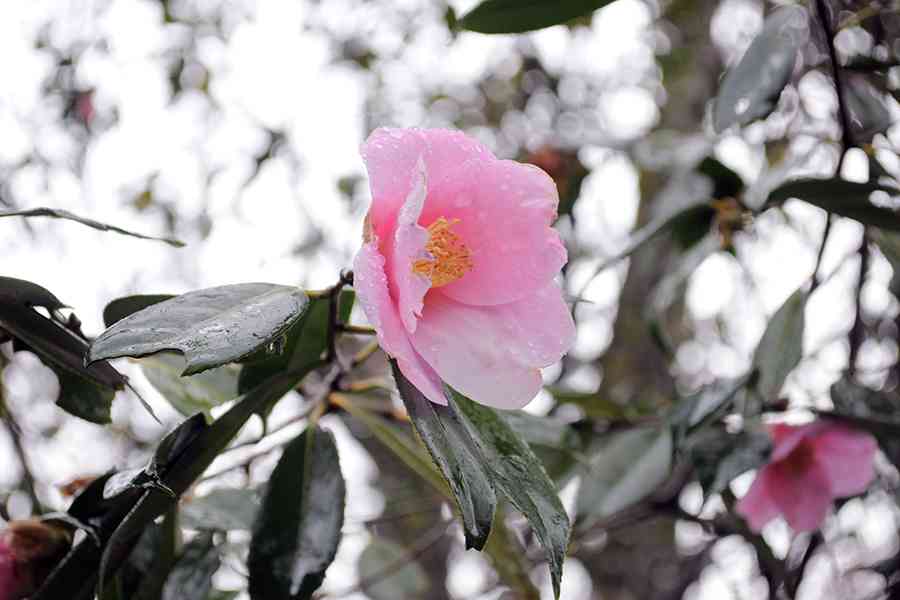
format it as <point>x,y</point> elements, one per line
<point>10,583</point>
<point>457,269</point>
<point>810,466</point>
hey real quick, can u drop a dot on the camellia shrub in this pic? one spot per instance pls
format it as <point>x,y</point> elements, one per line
<point>458,310</point>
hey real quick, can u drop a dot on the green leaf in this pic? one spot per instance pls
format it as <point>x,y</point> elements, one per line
<point>751,88</point>
<point>193,393</point>
<point>151,560</point>
<point>718,456</point>
<point>553,441</point>
<point>593,405</point>
<point>191,578</point>
<point>210,327</point>
<point>304,343</point>
<point>122,520</point>
<point>86,392</point>
<point>64,214</point>
<point>781,347</point>
<point>520,476</point>
<point>517,16</point>
<point>726,183</point>
<point>695,215</point>
<point>120,308</point>
<point>454,452</point>
<point>625,468</point>
<point>403,446</point>
<point>844,198</point>
<point>708,401</point>
<point>392,572</point>
<point>222,510</point>
<point>509,559</point>
<point>296,533</point>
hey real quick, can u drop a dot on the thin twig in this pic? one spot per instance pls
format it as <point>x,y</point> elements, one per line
<point>858,331</point>
<point>15,434</point>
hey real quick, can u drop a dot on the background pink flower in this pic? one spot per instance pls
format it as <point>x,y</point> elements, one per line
<point>458,265</point>
<point>810,466</point>
<point>9,581</point>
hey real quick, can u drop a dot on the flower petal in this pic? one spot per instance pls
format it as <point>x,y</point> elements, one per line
<point>371,284</point>
<point>785,438</point>
<point>846,457</point>
<point>803,497</point>
<point>407,287</point>
<point>493,354</point>
<point>505,211</point>
<point>757,506</point>
<point>391,156</point>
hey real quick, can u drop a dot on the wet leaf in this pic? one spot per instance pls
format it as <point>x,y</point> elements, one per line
<point>86,392</point>
<point>64,214</point>
<point>403,446</point>
<point>192,393</point>
<point>122,521</point>
<point>120,308</point>
<point>222,510</point>
<point>297,532</point>
<point>210,327</point>
<point>751,88</point>
<point>625,468</point>
<point>392,572</point>
<point>191,577</point>
<point>845,198</point>
<point>553,441</point>
<point>781,346</point>
<point>517,16</point>
<point>304,343</point>
<point>517,473</point>
<point>457,457</point>
<point>718,455</point>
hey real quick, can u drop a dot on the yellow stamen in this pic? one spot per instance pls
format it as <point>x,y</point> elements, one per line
<point>452,258</point>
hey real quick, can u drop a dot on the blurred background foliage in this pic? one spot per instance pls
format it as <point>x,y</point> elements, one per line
<point>234,125</point>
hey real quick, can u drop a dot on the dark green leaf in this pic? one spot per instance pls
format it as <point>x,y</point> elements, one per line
<point>726,183</point>
<point>781,346</point>
<point>64,214</point>
<point>392,572</point>
<point>719,456</point>
<point>151,560</point>
<point>122,521</point>
<point>517,16</point>
<point>691,216</point>
<point>593,405</point>
<point>869,113</point>
<point>120,308</point>
<point>625,468</point>
<point>844,198</point>
<point>25,293</point>
<point>304,343</point>
<point>192,393</point>
<point>222,510</point>
<point>889,244</point>
<point>455,454</point>
<point>520,476</point>
<point>84,398</point>
<point>86,392</point>
<point>554,442</point>
<point>296,533</point>
<point>191,578</point>
<point>751,88</point>
<point>403,446</point>
<point>210,327</point>
<point>708,401</point>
